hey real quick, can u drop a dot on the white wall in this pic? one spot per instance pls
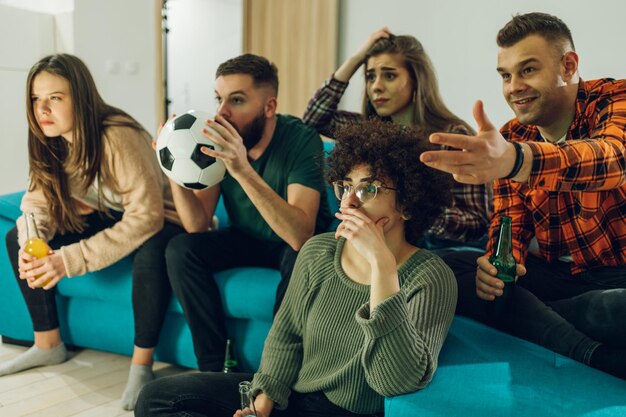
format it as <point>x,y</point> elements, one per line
<point>117,39</point>
<point>41,6</point>
<point>459,36</point>
<point>26,37</point>
<point>203,34</point>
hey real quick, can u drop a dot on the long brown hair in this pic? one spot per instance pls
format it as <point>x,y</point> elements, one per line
<point>430,113</point>
<point>51,158</point>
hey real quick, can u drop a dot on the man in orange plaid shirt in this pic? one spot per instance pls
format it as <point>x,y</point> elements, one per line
<point>560,174</point>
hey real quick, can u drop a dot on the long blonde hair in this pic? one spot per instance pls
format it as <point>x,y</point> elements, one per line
<point>51,158</point>
<point>430,113</point>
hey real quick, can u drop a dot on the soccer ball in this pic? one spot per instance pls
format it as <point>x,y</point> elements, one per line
<point>178,152</point>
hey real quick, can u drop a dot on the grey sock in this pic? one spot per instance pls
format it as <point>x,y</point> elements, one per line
<point>138,376</point>
<point>34,357</point>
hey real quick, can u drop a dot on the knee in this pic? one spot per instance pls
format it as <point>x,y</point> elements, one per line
<point>462,262</point>
<point>12,244</point>
<point>180,249</point>
<point>151,398</point>
<point>11,238</point>
<point>608,306</point>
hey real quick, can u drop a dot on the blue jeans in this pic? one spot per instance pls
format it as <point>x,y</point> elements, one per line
<point>149,279</point>
<point>215,394</point>
<point>569,314</point>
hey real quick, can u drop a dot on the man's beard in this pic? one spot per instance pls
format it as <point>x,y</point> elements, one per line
<point>253,132</point>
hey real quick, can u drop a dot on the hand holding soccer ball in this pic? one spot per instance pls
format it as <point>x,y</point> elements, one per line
<point>178,151</point>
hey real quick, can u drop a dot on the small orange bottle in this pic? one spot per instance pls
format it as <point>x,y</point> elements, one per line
<point>35,246</point>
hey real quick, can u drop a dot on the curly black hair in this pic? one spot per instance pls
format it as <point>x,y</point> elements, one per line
<point>392,151</point>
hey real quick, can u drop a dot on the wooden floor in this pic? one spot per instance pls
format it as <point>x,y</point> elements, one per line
<point>90,384</point>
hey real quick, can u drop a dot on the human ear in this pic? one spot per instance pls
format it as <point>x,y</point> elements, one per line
<point>569,65</point>
<point>270,106</point>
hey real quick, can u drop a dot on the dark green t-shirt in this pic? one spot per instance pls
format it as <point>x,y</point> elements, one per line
<point>294,156</point>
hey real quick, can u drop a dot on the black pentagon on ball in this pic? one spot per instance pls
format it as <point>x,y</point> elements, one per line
<point>195,185</point>
<point>184,122</point>
<point>167,159</point>
<point>200,159</point>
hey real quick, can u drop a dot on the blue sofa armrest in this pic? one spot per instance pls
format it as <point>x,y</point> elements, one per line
<point>10,206</point>
<point>483,372</point>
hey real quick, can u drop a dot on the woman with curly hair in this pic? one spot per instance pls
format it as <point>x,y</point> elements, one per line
<point>401,87</point>
<point>366,311</point>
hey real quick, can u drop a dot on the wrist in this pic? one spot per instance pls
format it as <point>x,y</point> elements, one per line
<point>263,404</point>
<point>383,264</point>
<point>515,153</point>
<point>348,68</point>
<point>527,164</point>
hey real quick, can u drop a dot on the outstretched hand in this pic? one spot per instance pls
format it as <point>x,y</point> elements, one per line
<point>483,158</point>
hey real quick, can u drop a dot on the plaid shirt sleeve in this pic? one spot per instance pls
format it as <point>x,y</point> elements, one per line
<point>594,156</point>
<point>321,112</point>
<point>572,198</point>
<point>468,216</point>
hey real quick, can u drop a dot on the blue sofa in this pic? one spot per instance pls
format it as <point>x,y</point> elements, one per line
<point>95,309</point>
<point>481,371</point>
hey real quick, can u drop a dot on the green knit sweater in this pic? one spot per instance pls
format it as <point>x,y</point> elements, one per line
<point>325,339</point>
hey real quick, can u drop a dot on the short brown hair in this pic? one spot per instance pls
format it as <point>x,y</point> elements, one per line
<point>392,151</point>
<point>262,71</point>
<point>522,25</point>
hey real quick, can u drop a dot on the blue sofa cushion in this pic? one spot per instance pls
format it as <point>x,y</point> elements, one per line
<point>483,372</point>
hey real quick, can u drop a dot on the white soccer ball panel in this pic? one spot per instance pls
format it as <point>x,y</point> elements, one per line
<point>181,144</point>
<point>166,131</point>
<point>213,174</point>
<point>185,171</point>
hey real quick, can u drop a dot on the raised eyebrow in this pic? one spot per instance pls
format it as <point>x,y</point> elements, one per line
<point>382,69</point>
<point>366,179</point>
<point>519,64</point>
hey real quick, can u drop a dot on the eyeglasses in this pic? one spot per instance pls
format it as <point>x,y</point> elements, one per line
<point>365,191</point>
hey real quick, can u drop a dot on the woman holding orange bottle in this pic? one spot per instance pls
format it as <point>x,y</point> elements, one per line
<point>98,195</point>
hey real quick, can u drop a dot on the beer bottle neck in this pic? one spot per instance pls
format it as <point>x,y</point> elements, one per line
<point>505,246</point>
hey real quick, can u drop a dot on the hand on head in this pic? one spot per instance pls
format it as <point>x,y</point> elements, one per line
<point>371,40</point>
<point>488,287</point>
<point>484,157</point>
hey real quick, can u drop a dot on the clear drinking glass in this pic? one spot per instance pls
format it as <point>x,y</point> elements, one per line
<point>247,400</point>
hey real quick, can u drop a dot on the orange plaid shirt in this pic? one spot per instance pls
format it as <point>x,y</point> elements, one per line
<point>574,202</point>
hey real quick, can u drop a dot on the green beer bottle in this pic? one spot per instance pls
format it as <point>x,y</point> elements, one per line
<point>229,360</point>
<point>504,262</point>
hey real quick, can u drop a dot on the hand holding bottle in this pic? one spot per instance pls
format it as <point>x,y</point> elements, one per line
<point>40,265</point>
<point>488,286</point>
<point>497,274</point>
<point>41,273</point>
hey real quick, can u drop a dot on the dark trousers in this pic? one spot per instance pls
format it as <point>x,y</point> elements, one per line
<point>571,315</point>
<point>215,394</point>
<point>193,258</point>
<point>149,280</point>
